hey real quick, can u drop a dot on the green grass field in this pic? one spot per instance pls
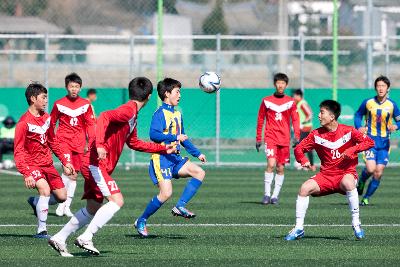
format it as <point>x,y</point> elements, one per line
<point>232,228</point>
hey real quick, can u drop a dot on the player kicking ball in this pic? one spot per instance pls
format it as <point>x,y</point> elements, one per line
<point>337,146</point>
<point>167,128</point>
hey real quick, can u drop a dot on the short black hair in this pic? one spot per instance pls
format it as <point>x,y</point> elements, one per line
<point>140,88</point>
<point>91,91</point>
<point>73,77</point>
<point>281,77</point>
<point>297,92</point>
<point>333,106</point>
<point>167,85</point>
<point>34,89</point>
<point>383,79</point>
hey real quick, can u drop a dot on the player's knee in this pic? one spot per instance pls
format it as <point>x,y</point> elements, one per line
<point>378,174</point>
<point>200,174</point>
<point>164,195</point>
<point>305,189</point>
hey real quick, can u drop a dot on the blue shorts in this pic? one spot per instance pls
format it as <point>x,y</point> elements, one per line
<point>165,167</point>
<point>380,156</point>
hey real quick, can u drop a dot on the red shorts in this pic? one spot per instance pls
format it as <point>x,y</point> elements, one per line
<point>329,184</point>
<point>76,160</point>
<point>50,174</point>
<point>280,153</point>
<point>98,183</point>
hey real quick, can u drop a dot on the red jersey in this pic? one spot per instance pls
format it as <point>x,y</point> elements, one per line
<point>331,145</point>
<point>277,111</point>
<point>114,129</point>
<point>33,140</point>
<point>75,121</point>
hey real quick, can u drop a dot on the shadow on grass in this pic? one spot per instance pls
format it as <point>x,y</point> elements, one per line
<point>313,237</point>
<point>252,202</point>
<point>19,235</point>
<point>84,254</point>
<point>157,236</point>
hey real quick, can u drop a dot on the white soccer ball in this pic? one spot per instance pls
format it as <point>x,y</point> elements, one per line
<point>8,164</point>
<point>210,82</point>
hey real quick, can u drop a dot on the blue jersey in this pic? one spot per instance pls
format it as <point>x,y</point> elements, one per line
<point>378,116</point>
<point>166,125</point>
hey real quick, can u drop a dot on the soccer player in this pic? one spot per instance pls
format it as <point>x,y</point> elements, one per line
<point>167,128</point>
<point>276,110</point>
<point>379,113</point>
<point>91,96</point>
<point>337,146</point>
<point>114,129</point>
<point>33,143</point>
<point>75,122</point>
<point>305,114</point>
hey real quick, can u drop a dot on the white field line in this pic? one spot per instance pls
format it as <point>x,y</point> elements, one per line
<point>10,172</point>
<point>215,225</point>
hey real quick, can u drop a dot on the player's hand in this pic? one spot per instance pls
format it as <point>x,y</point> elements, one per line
<point>392,128</point>
<point>171,149</point>
<point>202,158</point>
<point>69,169</point>
<point>347,155</point>
<point>102,153</point>
<point>306,165</point>
<point>363,130</point>
<point>182,137</point>
<point>258,145</point>
<point>30,183</point>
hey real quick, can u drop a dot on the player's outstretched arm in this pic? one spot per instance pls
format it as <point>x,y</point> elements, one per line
<point>19,149</point>
<point>363,141</point>
<point>307,144</point>
<point>260,123</point>
<point>150,147</point>
<point>358,116</point>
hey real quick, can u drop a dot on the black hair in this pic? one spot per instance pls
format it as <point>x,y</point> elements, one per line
<point>91,91</point>
<point>140,88</point>
<point>383,79</point>
<point>167,85</point>
<point>34,89</point>
<point>332,106</point>
<point>73,77</point>
<point>281,77</point>
<point>9,122</point>
<point>297,92</point>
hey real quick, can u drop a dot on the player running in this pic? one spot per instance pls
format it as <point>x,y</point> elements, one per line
<point>167,128</point>
<point>114,129</point>
<point>276,110</point>
<point>33,143</point>
<point>379,113</point>
<point>337,146</point>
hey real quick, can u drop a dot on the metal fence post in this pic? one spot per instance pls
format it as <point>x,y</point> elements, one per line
<point>301,37</point>
<point>387,56</point>
<point>218,103</point>
<point>131,51</point>
<point>46,67</point>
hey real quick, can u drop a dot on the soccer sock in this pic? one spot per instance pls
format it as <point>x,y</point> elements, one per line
<point>190,190</point>
<point>278,184</point>
<point>372,186</point>
<point>70,192</point>
<point>364,175</point>
<point>352,198</point>
<point>103,215</point>
<point>268,177</point>
<point>301,209</point>
<point>80,219</point>
<point>42,209</point>
<point>65,180</point>
<point>151,208</point>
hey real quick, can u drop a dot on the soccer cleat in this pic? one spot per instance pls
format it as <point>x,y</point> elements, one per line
<point>86,245</point>
<point>140,225</point>
<point>67,212</point>
<point>59,247</point>
<point>42,234</point>
<point>183,212</point>
<point>30,202</point>
<point>364,202</point>
<point>358,232</point>
<point>294,234</point>
<point>274,200</point>
<point>60,210</point>
<point>360,187</point>
<point>266,200</point>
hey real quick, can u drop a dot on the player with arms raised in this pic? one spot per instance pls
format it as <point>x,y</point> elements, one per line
<point>337,146</point>
<point>33,143</point>
<point>276,110</point>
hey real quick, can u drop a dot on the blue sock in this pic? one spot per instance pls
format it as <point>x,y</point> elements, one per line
<point>364,175</point>
<point>373,185</point>
<point>190,190</point>
<point>151,208</point>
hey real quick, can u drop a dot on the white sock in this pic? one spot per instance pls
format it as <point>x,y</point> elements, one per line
<point>278,184</point>
<point>352,198</point>
<point>42,209</point>
<point>65,180</point>
<point>268,177</point>
<point>80,219</point>
<point>301,209</point>
<point>70,192</point>
<point>102,216</point>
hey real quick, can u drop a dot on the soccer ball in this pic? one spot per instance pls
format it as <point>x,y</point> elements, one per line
<point>209,82</point>
<point>8,164</point>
